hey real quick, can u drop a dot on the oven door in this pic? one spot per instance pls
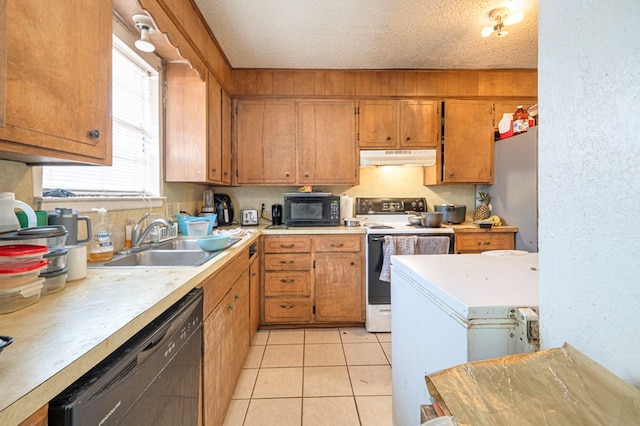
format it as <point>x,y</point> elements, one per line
<point>379,292</point>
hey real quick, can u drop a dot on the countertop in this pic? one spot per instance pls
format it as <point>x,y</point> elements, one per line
<point>65,334</point>
<point>471,227</point>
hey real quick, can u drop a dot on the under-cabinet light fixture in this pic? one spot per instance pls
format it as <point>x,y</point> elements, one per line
<point>503,17</point>
<point>145,25</point>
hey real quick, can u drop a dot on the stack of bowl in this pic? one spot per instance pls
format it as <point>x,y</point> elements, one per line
<point>20,283</point>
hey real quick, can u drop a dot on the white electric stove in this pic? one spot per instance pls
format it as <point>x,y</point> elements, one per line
<point>381,217</point>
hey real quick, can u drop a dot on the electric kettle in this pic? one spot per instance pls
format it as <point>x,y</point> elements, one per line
<point>8,219</point>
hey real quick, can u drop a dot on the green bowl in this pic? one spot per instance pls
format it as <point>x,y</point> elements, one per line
<point>213,242</point>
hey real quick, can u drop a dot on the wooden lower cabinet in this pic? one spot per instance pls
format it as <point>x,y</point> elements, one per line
<point>226,334</point>
<point>480,240</point>
<point>254,295</point>
<point>313,279</point>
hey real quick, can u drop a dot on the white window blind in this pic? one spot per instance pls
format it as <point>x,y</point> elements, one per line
<point>135,169</point>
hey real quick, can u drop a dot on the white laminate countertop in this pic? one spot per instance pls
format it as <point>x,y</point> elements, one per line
<point>65,334</point>
<point>474,285</point>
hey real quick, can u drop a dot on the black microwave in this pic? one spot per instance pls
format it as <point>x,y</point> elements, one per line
<point>311,209</point>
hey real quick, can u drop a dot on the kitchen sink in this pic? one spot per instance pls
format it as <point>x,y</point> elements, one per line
<point>171,254</point>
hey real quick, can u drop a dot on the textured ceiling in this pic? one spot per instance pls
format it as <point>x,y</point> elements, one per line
<point>370,34</point>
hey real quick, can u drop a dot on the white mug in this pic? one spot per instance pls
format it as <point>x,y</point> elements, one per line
<point>76,262</point>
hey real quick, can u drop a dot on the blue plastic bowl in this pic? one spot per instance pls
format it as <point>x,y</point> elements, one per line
<point>213,242</point>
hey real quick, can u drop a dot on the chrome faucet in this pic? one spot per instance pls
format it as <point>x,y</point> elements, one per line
<point>138,237</point>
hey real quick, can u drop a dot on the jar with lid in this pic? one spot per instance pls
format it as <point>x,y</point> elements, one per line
<point>520,120</point>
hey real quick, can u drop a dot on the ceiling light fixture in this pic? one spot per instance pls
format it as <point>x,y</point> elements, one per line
<point>503,18</point>
<point>145,25</point>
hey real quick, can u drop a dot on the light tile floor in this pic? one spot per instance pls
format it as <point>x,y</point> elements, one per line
<point>315,377</point>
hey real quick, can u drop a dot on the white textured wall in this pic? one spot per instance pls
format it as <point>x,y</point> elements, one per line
<point>589,162</point>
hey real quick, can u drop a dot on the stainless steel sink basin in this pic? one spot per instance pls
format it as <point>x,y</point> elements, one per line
<point>163,258</point>
<point>171,254</point>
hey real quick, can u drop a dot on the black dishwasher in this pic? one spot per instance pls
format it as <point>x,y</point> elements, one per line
<point>152,379</point>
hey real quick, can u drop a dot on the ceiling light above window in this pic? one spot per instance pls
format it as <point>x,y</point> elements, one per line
<point>145,25</point>
<point>503,17</point>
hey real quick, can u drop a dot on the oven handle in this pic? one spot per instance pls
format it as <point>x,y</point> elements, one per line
<point>374,238</point>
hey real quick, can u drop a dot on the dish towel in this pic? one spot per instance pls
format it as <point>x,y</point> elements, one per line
<point>395,244</point>
<point>433,245</point>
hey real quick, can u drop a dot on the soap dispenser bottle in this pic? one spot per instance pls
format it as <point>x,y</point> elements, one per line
<point>100,247</point>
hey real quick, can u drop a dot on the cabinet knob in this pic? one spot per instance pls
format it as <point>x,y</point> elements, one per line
<point>408,139</point>
<point>451,174</point>
<point>287,174</point>
<point>306,175</point>
<point>232,307</point>
<point>94,134</point>
<point>353,263</point>
<point>286,306</point>
<point>388,138</point>
<point>214,170</point>
<point>237,297</point>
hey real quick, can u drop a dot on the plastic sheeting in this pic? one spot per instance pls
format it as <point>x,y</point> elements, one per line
<point>550,387</point>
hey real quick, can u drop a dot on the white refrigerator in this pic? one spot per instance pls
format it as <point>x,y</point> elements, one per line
<point>452,309</point>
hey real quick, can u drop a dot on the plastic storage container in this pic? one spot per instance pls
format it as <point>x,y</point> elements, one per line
<point>21,273</point>
<point>58,259</point>
<point>54,281</point>
<point>20,297</point>
<point>54,236</point>
<point>13,253</point>
<point>197,228</point>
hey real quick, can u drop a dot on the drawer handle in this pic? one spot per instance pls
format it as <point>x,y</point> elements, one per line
<point>337,245</point>
<point>287,246</point>
<point>287,281</point>
<point>484,243</point>
<point>287,262</point>
<point>287,305</point>
<point>232,307</point>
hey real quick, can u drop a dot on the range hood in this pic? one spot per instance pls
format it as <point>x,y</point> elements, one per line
<point>398,157</point>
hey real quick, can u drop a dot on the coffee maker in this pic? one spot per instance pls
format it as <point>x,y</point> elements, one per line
<point>224,209</point>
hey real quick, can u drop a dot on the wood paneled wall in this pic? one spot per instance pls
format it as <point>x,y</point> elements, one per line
<point>387,83</point>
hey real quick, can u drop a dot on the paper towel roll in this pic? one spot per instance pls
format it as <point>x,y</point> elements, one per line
<point>346,206</point>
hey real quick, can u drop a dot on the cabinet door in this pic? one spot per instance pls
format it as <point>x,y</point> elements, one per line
<point>254,297</point>
<point>468,142</point>
<point>265,142</point>
<point>186,131</point>
<point>214,116</point>
<point>339,287</point>
<point>55,81</point>
<point>378,124</point>
<point>327,151</point>
<point>419,124</point>
<point>226,139</point>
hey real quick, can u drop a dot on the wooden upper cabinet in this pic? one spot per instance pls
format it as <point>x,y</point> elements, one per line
<point>327,151</point>
<point>378,124</point>
<point>197,135</point>
<point>388,124</point>
<point>186,125</point>
<point>265,142</point>
<point>468,142</point>
<point>419,124</point>
<point>55,81</point>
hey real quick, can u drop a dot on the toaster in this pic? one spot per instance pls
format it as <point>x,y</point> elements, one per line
<point>248,217</point>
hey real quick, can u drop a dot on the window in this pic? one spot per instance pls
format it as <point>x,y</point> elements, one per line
<point>135,168</point>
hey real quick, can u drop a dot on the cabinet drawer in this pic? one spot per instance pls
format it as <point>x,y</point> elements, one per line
<point>287,284</point>
<point>287,262</point>
<point>287,245</point>
<point>337,243</point>
<point>482,242</point>
<point>287,310</point>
